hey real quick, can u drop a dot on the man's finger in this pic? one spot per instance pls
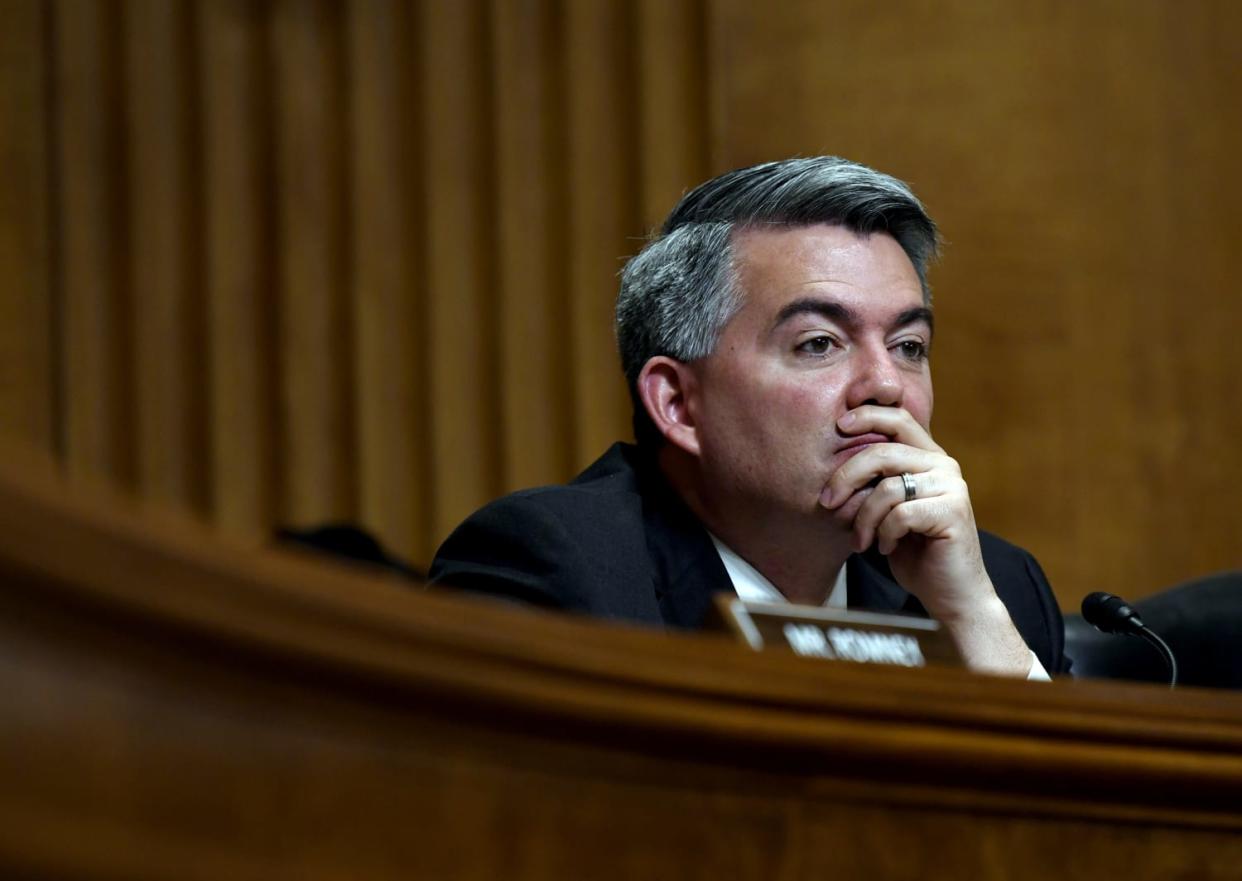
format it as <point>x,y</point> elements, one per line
<point>892,421</point>
<point>929,517</point>
<point>879,460</point>
<point>888,494</point>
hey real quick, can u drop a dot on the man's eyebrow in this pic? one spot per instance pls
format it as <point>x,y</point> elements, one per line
<point>845,315</point>
<point>914,316</point>
<point>815,306</point>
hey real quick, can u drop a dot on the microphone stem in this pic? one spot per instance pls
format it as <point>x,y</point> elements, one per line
<point>1165,652</point>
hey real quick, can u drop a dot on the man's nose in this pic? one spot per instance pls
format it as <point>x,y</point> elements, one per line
<point>876,380</point>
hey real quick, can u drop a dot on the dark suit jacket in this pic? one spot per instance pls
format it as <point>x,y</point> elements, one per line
<point>618,543</point>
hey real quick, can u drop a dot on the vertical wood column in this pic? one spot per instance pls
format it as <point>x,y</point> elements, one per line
<point>164,269</point>
<point>672,70</point>
<point>91,173</point>
<point>238,268</point>
<point>315,330</point>
<point>388,300</point>
<point>460,265</point>
<point>604,219</point>
<point>27,390</point>
<point>535,365</point>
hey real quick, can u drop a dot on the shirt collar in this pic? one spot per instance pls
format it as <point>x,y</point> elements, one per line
<point>752,586</point>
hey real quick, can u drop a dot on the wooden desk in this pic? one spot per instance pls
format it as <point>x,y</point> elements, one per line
<point>177,708</point>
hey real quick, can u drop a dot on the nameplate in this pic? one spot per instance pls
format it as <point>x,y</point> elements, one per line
<point>839,634</point>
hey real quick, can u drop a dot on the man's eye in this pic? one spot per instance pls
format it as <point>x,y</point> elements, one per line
<point>913,350</point>
<point>819,345</point>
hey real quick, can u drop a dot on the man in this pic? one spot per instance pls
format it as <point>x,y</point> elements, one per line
<point>775,337</point>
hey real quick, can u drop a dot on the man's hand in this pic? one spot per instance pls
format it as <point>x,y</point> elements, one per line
<point>930,540</point>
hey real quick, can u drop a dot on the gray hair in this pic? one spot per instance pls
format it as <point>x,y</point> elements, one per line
<point>681,289</point>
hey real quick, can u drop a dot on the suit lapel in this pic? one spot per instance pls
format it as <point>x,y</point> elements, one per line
<point>686,570</point>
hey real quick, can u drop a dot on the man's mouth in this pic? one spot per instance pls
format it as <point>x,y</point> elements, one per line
<point>857,442</point>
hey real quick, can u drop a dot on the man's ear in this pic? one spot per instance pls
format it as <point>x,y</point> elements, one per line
<point>667,387</point>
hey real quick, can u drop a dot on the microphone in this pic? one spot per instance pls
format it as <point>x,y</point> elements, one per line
<point>1109,613</point>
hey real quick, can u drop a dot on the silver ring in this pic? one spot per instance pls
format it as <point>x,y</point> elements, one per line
<point>912,488</point>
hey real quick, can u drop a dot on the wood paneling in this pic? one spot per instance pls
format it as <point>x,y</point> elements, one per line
<point>604,204</point>
<point>27,377</point>
<point>164,271</point>
<point>301,261</point>
<point>673,113</point>
<point>457,137</point>
<point>314,331</point>
<point>238,232</point>
<point>93,311</point>
<point>527,43</point>
<point>387,292</point>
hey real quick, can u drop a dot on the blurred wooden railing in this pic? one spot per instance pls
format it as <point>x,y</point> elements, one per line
<point>174,707</point>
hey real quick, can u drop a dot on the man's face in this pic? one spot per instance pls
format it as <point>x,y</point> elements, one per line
<point>830,320</point>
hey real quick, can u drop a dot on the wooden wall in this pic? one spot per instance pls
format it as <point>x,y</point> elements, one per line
<point>298,261</point>
<point>286,262</point>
